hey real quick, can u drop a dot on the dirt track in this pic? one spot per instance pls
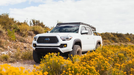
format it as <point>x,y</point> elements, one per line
<point>26,64</point>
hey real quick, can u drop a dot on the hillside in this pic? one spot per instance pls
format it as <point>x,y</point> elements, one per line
<point>116,57</point>
<point>16,38</point>
<point>112,38</point>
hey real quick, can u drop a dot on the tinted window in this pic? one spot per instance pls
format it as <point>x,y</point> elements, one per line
<point>66,29</point>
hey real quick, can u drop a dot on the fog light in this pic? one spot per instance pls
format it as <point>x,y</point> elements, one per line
<point>65,45</point>
<point>34,45</point>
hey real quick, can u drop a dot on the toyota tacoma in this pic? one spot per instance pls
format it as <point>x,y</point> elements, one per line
<point>67,38</point>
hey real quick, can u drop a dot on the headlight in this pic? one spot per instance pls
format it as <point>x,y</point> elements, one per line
<point>66,38</point>
<point>35,38</point>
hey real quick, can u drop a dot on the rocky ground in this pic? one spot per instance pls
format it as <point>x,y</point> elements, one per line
<point>11,47</point>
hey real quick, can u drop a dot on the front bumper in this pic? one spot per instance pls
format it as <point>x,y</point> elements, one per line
<point>53,47</point>
<point>46,48</point>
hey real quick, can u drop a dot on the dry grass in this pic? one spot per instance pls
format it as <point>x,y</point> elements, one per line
<point>2,30</point>
<point>27,55</point>
<point>4,57</point>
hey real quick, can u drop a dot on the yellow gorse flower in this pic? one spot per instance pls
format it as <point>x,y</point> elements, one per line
<point>108,60</point>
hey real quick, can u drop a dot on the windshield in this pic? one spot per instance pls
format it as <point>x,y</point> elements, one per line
<point>66,29</point>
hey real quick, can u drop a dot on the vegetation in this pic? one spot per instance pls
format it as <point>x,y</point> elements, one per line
<point>37,29</point>
<point>27,55</point>
<point>17,56</point>
<point>24,29</point>
<point>11,35</point>
<point>109,38</point>
<point>1,30</point>
<point>4,57</point>
<point>21,28</point>
<point>6,22</point>
<point>9,70</point>
<point>108,60</point>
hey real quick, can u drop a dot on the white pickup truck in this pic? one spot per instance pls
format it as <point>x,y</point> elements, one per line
<point>66,38</point>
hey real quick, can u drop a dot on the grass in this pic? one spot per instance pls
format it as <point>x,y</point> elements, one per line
<point>27,55</point>
<point>4,57</point>
<point>17,56</point>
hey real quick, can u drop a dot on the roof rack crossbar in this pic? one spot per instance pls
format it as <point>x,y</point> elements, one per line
<point>78,23</point>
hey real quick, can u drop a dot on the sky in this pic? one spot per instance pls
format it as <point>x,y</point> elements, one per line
<point>115,16</point>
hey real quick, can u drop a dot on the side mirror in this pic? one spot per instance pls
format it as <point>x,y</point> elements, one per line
<point>84,32</point>
<point>95,33</point>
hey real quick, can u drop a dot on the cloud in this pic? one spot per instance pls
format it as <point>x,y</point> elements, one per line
<point>105,15</point>
<point>7,2</point>
<point>12,2</point>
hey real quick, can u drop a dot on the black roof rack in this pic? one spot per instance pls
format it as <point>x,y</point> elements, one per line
<point>78,23</point>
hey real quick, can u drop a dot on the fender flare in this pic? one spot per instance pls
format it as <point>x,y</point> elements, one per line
<point>77,40</point>
<point>98,41</point>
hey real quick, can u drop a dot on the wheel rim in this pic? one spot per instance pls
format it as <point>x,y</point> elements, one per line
<point>78,51</point>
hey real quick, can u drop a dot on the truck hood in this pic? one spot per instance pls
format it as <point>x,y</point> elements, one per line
<point>57,34</point>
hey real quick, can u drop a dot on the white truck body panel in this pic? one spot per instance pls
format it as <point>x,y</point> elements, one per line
<point>88,42</point>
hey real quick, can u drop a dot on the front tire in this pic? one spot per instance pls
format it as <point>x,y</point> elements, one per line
<point>76,51</point>
<point>36,57</point>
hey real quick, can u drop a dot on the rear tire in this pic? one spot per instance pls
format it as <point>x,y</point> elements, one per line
<point>97,45</point>
<point>36,57</point>
<point>76,51</point>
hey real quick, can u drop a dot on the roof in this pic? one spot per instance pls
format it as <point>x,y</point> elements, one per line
<point>78,23</point>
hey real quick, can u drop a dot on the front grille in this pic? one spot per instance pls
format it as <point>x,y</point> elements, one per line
<point>47,39</point>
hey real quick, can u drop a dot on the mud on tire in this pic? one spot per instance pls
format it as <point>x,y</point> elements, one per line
<point>76,51</point>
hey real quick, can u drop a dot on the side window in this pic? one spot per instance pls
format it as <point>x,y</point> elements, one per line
<point>89,31</point>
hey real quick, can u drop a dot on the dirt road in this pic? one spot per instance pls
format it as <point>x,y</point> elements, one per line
<point>26,64</point>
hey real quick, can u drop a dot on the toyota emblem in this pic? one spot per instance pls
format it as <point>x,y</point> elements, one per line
<point>47,39</point>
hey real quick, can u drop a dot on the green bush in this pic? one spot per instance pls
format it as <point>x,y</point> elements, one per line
<point>6,22</point>
<point>37,29</point>
<point>118,37</point>
<point>4,57</point>
<point>24,30</point>
<point>122,37</point>
<point>15,27</point>
<point>11,35</point>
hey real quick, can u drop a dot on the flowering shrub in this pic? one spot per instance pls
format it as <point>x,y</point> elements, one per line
<point>108,60</point>
<point>24,28</point>
<point>57,65</point>
<point>37,29</point>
